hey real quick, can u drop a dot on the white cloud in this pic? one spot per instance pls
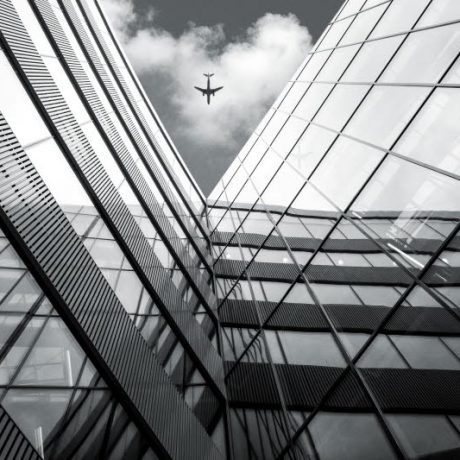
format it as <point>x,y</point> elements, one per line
<point>253,69</point>
<point>121,14</point>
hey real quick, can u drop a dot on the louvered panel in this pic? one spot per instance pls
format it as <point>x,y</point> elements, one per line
<point>409,390</point>
<point>73,282</point>
<point>112,208</point>
<point>253,385</point>
<point>125,160</point>
<point>158,176</point>
<point>346,318</point>
<point>388,276</point>
<point>417,246</point>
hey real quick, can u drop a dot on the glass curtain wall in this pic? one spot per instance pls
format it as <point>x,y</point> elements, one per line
<point>335,235</point>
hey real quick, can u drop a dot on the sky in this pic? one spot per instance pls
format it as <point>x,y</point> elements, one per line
<point>252,46</point>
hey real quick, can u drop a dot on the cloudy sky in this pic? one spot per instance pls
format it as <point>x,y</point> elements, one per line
<point>252,46</point>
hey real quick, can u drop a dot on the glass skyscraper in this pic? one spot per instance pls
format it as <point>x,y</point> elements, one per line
<point>308,309</point>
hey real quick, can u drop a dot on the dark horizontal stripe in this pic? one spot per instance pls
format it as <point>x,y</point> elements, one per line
<point>255,240</point>
<point>374,215</point>
<point>383,276</point>
<point>396,390</point>
<point>350,318</point>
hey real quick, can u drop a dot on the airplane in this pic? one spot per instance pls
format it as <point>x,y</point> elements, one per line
<point>208,91</point>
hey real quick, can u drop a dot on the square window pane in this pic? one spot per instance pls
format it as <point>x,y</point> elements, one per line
<point>283,188</point>
<point>423,434</point>
<point>310,148</point>
<point>345,435</point>
<point>337,63</point>
<point>433,137</point>
<point>384,114</point>
<point>400,17</point>
<point>288,136</point>
<point>293,97</point>
<point>339,105</point>
<point>362,25</point>
<point>312,100</point>
<point>344,170</point>
<point>313,66</point>
<point>371,59</point>
<point>426,352</point>
<point>306,348</point>
<point>335,33</point>
<point>440,11</point>
<point>412,65</point>
<point>381,353</point>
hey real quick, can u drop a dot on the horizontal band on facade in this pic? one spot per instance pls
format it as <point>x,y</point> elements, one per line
<point>396,390</point>
<point>347,318</point>
<point>382,276</point>
<point>255,240</point>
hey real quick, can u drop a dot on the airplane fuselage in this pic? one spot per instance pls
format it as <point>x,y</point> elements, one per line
<point>208,90</point>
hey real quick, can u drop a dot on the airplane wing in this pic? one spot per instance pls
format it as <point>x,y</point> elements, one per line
<point>203,91</point>
<point>214,91</point>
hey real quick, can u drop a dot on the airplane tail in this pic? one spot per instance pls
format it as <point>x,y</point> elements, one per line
<point>208,74</point>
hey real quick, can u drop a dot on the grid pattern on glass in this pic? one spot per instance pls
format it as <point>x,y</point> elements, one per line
<point>47,383</point>
<point>359,277</point>
<point>57,177</point>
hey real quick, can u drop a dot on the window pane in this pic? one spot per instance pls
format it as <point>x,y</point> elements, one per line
<point>371,59</point>
<point>312,100</point>
<point>309,150</point>
<point>335,33</point>
<point>335,294</point>
<point>381,353</point>
<point>273,127</point>
<point>23,296</point>
<point>336,64</point>
<point>26,407</point>
<point>8,278</point>
<point>440,47</point>
<point>55,359</point>
<point>422,435</point>
<point>310,200</point>
<point>265,170</point>
<point>313,66</point>
<point>384,114</point>
<point>425,352</point>
<point>344,170</point>
<point>351,7</point>
<point>400,17</point>
<point>433,137</point>
<point>307,348</point>
<point>354,436</point>
<point>340,104</point>
<point>441,11</point>
<point>362,25</point>
<point>288,136</point>
<point>285,185</point>
<point>293,97</point>
<point>410,196</point>
<point>254,156</point>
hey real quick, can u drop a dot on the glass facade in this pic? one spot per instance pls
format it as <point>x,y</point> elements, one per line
<point>335,233</point>
<point>309,308</point>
